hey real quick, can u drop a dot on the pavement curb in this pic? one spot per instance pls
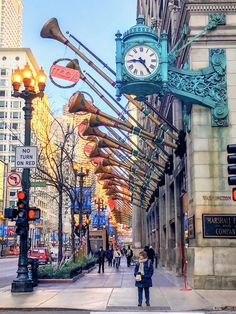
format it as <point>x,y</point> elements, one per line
<point>45,281</point>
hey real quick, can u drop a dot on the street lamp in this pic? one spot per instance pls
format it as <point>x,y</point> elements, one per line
<point>81,172</point>
<point>101,206</point>
<point>32,88</point>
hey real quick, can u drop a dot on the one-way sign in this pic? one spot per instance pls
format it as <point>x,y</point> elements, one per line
<point>26,157</point>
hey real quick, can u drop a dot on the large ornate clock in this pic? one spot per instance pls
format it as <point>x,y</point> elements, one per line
<point>145,67</point>
<point>141,61</point>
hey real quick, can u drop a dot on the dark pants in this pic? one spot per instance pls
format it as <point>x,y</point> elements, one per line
<point>101,265</point>
<point>109,261</point>
<point>140,295</point>
<point>129,260</point>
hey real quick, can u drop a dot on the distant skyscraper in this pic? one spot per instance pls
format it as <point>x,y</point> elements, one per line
<point>11,23</point>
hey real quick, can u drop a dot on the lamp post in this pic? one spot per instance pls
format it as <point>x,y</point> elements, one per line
<point>33,88</point>
<point>80,172</point>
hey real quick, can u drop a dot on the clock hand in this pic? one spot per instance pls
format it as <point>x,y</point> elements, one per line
<point>133,60</point>
<point>143,61</point>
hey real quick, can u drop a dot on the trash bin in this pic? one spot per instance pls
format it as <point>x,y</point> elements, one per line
<point>33,265</point>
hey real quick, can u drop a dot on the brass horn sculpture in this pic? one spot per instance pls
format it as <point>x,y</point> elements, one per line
<point>96,120</point>
<point>77,103</point>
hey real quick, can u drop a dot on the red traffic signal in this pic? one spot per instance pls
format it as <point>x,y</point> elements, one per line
<point>22,200</point>
<point>21,195</point>
<point>33,213</point>
<point>234,194</point>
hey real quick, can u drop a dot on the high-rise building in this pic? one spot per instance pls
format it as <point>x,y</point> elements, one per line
<point>11,23</point>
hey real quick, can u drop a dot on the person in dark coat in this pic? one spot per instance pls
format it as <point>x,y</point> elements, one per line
<point>101,259</point>
<point>109,255</point>
<point>151,254</point>
<point>129,255</point>
<point>143,277</point>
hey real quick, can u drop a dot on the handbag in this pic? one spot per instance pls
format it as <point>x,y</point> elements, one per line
<point>138,277</point>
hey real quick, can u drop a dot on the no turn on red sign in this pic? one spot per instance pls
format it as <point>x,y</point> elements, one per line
<point>14,179</point>
<point>26,157</point>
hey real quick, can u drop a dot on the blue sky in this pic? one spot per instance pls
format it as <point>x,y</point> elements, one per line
<point>94,22</point>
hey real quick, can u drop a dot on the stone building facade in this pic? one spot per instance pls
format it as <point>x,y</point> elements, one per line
<point>198,186</point>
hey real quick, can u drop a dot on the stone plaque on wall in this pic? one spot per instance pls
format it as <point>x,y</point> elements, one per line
<point>219,226</point>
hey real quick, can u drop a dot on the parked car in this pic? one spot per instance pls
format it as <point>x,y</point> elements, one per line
<point>42,254</point>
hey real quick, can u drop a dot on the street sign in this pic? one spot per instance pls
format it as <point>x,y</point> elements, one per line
<point>14,179</point>
<point>26,157</point>
<point>38,184</point>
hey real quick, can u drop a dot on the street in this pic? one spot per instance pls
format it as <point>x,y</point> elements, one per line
<point>8,268</point>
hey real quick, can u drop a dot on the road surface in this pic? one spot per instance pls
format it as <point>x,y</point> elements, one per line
<point>8,268</point>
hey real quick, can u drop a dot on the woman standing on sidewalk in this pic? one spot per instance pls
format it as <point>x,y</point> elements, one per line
<point>143,277</point>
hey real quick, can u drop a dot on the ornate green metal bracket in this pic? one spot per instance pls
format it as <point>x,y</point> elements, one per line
<point>207,86</point>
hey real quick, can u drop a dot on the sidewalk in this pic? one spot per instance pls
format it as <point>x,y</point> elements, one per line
<point>115,291</point>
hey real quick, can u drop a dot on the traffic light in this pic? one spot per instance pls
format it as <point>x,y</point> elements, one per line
<point>231,159</point>
<point>33,213</point>
<point>10,213</point>
<point>234,194</point>
<point>22,207</point>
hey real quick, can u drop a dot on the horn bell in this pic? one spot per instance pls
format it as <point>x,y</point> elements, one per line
<point>52,30</point>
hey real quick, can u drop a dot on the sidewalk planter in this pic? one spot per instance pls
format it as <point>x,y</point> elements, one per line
<point>89,265</point>
<point>70,272</point>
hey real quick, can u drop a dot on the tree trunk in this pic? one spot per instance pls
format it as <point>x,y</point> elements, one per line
<point>60,230</point>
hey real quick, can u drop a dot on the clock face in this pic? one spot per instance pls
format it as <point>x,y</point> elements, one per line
<point>141,61</point>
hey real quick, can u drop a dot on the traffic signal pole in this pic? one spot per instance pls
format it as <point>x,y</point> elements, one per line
<point>22,282</point>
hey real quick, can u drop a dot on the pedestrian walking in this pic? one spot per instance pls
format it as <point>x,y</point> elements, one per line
<point>101,259</point>
<point>143,277</point>
<point>109,255</point>
<point>151,254</point>
<point>129,255</point>
<point>117,256</point>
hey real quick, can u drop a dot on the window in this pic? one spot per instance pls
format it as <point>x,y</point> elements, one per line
<point>15,126</point>
<point>3,82</point>
<point>12,148</point>
<point>12,193</point>
<point>3,72</point>
<point>12,158</point>
<point>2,93</point>
<point>15,115</point>
<point>1,125</point>
<point>15,104</point>
<point>2,103</point>
<point>12,203</point>
<point>2,148</point>
<point>14,137</point>
<point>2,136</point>
<point>2,114</point>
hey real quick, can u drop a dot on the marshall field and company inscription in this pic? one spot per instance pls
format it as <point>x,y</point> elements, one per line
<point>219,226</point>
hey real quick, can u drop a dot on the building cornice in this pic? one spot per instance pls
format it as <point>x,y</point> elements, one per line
<point>210,6</point>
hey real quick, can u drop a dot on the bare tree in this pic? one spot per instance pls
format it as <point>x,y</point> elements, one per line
<point>55,159</point>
